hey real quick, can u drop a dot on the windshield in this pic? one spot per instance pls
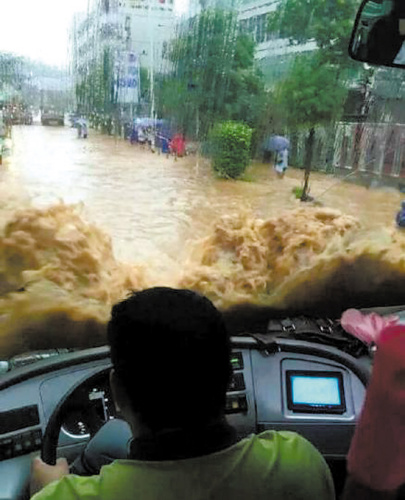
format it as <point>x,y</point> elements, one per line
<point>227,146</point>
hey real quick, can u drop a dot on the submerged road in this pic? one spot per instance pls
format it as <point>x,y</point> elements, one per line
<point>151,205</point>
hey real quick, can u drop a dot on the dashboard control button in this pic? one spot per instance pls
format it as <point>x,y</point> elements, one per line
<point>237,361</point>
<point>37,437</point>
<point>6,448</point>
<point>27,441</point>
<point>17,447</point>
<point>236,404</point>
<point>237,382</point>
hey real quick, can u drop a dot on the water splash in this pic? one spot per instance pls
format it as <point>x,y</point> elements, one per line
<point>308,258</point>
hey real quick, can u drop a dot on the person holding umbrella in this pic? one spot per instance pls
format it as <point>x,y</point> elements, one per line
<point>281,164</point>
<point>280,146</point>
<point>400,218</point>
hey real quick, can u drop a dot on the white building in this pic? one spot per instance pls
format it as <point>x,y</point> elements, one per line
<point>149,26</point>
<point>143,27</point>
<point>134,33</point>
<point>274,54</point>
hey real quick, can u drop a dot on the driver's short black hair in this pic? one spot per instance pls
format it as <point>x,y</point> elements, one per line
<point>171,351</point>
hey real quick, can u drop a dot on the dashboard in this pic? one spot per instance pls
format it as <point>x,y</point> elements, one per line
<point>314,390</point>
<point>288,384</point>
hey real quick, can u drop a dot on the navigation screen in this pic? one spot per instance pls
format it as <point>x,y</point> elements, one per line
<point>315,392</point>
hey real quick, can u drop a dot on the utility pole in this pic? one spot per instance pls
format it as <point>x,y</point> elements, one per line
<point>152,61</point>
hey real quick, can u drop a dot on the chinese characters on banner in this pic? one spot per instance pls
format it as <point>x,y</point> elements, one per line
<point>128,78</point>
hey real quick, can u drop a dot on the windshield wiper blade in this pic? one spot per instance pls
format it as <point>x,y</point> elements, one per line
<point>31,357</point>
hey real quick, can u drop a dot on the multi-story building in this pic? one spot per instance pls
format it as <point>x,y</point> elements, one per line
<point>273,53</point>
<point>129,34</point>
<point>149,25</point>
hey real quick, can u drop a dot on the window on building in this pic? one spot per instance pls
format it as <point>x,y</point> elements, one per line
<point>244,26</point>
<point>164,50</point>
<point>261,28</point>
<point>252,25</point>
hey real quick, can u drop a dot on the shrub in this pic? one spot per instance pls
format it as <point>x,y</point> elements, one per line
<point>297,191</point>
<point>230,148</point>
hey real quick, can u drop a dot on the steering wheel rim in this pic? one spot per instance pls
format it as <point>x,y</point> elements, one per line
<point>53,427</point>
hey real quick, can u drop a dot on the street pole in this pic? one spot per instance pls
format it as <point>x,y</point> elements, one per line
<point>151,73</point>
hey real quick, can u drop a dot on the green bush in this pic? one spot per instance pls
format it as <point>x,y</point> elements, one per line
<point>230,149</point>
<point>297,191</point>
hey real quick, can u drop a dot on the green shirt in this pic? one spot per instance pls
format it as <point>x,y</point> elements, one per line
<point>271,465</point>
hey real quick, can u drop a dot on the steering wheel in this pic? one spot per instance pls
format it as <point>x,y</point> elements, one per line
<point>109,443</point>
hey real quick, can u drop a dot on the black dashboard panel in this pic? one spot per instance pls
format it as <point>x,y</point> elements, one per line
<point>240,401</point>
<point>257,400</point>
<point>20,444</point>
<point>18,418</point>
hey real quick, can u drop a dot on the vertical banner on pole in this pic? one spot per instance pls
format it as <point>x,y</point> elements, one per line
<point>128,78</point>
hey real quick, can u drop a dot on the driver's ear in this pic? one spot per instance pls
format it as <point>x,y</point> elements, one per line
<point>118,392</point>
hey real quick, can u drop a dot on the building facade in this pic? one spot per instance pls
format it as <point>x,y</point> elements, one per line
<point>273,53</point>
<point>112,42</point>
<point>149,26</point>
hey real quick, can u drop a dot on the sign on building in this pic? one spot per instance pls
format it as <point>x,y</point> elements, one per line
<point>127,78</point>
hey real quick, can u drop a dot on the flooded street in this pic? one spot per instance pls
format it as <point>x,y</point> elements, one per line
<point>150,205</point>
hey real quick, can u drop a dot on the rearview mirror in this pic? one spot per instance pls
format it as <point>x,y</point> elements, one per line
<point>379,33</point>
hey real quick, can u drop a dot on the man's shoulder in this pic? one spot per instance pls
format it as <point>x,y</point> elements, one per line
<point>289,450</point>
<point>298,463</point>
<point>286,440</point>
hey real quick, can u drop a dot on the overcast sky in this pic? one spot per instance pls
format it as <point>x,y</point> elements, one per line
<point>39,28</point>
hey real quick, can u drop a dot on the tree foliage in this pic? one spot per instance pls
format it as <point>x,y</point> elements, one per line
<point>311,95</point>
<point>214,75</point>
<point>328,22</point>
<point>96,91</point>
<point>230,148</point>
<point>11,71</point>
<point>314,91</point>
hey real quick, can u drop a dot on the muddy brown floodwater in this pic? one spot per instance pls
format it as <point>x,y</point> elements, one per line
<point>83,221</point>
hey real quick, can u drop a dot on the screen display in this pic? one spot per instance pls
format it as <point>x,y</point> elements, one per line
<point>315,392</point>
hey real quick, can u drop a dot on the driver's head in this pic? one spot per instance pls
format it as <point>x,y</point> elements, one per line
<point>171,352</point>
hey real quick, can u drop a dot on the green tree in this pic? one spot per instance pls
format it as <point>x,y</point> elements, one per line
<point>95,92</point>
<point>11,69</point>
<point>214,76</point>
<point>328,22</point>
<point>312,94</point>
<point>11,75</point>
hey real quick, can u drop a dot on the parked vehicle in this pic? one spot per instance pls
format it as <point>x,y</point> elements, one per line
<point>52,116</point>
